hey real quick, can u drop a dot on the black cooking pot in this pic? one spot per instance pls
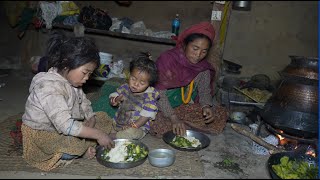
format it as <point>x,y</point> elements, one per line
<point>302,70</point>
<point>293,106</point>
<point>275,159</point>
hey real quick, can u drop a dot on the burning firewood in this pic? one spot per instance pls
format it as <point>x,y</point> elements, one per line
<point>272,149</point>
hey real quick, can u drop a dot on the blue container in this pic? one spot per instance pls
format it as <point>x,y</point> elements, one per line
<point>176,25</point>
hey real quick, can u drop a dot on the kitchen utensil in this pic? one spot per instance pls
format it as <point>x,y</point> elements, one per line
<point>275,159</point>
<point>238,117</point>
<point>161,157</point>
<point>120,165</point>
<point>204,140</point>
<point>259,105</point>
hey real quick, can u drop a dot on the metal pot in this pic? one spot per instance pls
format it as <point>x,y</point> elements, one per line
<point>241,5</point>
<point>274,159</point>
<point>302,70</point>
<point>293,107</point>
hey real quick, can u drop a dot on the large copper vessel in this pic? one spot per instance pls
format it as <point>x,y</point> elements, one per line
<point>293,107</point>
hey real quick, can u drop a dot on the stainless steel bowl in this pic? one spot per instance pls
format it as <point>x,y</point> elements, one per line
<point>238,117</point>
<point>120,165</point>
<point>161,157</point>
<point>204,140</point>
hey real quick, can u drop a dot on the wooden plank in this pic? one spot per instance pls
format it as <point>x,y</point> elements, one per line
<point>121,35</point>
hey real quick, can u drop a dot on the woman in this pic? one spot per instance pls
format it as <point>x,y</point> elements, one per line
<point>186,66</point>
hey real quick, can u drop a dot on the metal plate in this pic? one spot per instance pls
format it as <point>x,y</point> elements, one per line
<point>121,165</point>
<point>204,140</point>
<point>275,159</point>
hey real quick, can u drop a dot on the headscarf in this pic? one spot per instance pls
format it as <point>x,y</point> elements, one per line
<point>205,28</point>
<point>174,69</point>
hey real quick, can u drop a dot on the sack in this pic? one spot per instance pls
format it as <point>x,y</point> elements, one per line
<point>95,18</point>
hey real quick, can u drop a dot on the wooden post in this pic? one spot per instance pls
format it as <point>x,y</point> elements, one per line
<point>220,26</point>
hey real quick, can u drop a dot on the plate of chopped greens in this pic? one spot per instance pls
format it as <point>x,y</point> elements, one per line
<point>291,165</point>
<point>192,141</point>
<point>125,154</point>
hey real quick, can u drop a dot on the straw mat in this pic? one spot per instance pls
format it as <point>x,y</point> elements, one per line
<point>186,163</point>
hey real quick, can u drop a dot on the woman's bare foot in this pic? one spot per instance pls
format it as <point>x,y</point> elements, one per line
<point>90,153</point>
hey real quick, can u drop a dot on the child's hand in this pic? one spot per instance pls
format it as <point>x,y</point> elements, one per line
<point>115,101</point>
<point>91,122</point>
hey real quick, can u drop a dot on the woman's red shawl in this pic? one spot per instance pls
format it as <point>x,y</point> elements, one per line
<point>174,69</point>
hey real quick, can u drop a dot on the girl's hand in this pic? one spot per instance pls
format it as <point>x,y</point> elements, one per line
<point>105,141</point>
<point>115,101</point>
<point>91,122</point>
<point>207,113</point>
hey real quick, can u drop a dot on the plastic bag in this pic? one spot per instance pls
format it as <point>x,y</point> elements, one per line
<point>116,70</point>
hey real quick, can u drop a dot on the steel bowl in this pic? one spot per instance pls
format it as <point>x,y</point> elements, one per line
<point>204,140</point>
<point>161,157</point>
<point>238,117</point>
<point>120,165</point>
<point>275,159</point>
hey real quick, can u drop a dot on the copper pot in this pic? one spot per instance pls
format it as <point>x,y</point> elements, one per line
<point>301,68</point>
<point>293,106</point>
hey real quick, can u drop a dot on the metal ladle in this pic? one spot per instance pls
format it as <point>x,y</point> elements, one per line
<point>259,105</point>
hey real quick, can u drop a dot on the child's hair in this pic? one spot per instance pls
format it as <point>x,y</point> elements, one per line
<point>144,63</point>
<point>71,52</point>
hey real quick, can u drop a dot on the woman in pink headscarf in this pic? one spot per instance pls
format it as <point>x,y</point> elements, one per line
<point>185,75</point>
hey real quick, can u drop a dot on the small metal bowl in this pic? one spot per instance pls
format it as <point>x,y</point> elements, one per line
<point>238,117</point>
<point>161,157</point>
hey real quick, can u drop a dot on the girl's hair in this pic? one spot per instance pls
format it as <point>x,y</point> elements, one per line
<point>71,52</point>
<point>195,36</point>
<point>144,63</point>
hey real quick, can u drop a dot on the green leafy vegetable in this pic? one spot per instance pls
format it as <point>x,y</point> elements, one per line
<point>295,169</point>
<point>181,142</point>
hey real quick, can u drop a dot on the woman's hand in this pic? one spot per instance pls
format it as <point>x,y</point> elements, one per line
<point>115,101</point>
<point>207,113</point>
<point>105,141</point>
<point>178,126</point>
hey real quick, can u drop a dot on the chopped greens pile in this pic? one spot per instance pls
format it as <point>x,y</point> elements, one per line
<point>185,142</point>
<point>295,169</point>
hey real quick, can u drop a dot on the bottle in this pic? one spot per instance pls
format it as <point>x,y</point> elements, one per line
<point>176,25</point>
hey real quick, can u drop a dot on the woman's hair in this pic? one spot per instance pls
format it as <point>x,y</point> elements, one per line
<point>195,36</point>
<point>71,52</point>
<point>144,63</point>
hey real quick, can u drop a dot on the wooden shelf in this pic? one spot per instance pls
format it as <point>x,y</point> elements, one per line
<point>120,35</point>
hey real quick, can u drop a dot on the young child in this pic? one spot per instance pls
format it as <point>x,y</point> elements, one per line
<point>58,122</point>
<point>137,100</point>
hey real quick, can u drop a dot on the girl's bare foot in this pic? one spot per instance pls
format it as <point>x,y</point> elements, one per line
<point>90,153</point>
<point>113,136</point>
